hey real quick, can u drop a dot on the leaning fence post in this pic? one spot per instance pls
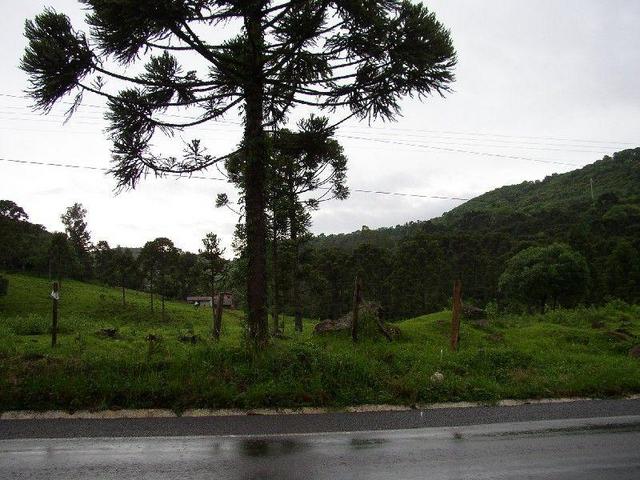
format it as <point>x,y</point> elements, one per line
<point>455,317</point>
<point>55,296</point>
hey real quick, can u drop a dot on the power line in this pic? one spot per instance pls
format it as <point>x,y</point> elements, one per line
<point>458,150</point>
<point>102,169</point>
<point>421,146</point>
<point>509,145</point>
<point>451,148</point>
<point>387,129</point>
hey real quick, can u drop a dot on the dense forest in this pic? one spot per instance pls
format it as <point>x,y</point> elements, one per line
<point>586,222</point>
<point>410,268</point>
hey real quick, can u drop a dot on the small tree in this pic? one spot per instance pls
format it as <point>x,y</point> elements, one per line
<point>74,221</point>
<point>60,256</point>
<point>538,276</point>
<point>103,262</point>
<point>123,267</point>
<point>214,269</point>
<point>158,257</point>
<point>305,168</point>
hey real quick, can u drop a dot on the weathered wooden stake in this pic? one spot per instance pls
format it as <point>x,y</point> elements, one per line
<point>357,297</point>
<point>455,319</point>
<point>217,325</point>
<point>55,296</point>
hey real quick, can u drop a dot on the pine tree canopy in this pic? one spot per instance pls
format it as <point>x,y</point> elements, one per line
<point>363,55</point>
<point>357,58</point>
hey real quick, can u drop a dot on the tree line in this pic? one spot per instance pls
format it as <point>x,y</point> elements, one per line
<point>159,267</point>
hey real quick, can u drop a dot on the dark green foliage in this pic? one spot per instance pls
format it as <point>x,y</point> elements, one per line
<point>62,261</point>
<point>12,211</point>
<point>539,276</point>
<point>56,59</point>
<point>24,245</point>
<point>474,241</point>
<point>74,221</point>
<point>4,285</point>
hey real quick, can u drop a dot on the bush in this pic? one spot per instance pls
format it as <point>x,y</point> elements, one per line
<point>553,275</point>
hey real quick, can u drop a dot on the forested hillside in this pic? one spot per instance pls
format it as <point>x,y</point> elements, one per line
<point>410,268</point>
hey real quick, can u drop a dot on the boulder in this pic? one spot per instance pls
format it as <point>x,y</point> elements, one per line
<point>634,352</point>
<point>470,312</point>
<point>369,321</point>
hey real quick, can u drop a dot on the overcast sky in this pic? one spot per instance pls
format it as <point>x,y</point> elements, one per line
<point>547,81</point>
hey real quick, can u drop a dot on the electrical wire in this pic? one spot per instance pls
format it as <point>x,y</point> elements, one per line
<point>102,169</point>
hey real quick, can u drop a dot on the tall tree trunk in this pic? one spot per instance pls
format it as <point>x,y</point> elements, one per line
<point>276,284</point>
<point>213,303</point>
<point>297,304</point>
<point>256,158</point>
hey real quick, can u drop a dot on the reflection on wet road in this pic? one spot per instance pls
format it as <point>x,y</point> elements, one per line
<point>570,449</point>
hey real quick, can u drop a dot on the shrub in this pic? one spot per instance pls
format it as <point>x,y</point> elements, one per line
<point>538,276</point>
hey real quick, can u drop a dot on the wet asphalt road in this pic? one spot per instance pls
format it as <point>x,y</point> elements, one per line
<point>577,440</point>
<point>585,449</point>
<point>326,422</point>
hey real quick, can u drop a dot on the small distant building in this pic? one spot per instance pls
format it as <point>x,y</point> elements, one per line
<point>227,300</point>
<point>200,301</point>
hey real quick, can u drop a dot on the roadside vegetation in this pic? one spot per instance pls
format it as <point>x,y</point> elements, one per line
<point>111,355</point>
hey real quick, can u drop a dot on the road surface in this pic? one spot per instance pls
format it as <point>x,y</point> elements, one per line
<point>582,447</point>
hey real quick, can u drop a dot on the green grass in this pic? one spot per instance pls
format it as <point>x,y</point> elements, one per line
<point>552,355</point>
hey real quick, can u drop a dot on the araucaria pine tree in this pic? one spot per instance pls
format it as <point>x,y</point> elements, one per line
<point>359,57</point>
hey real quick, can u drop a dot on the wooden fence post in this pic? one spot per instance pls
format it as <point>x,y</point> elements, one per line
<point>217,326</point>
<point>456,310</point>
<point>55,296</point>
<point>357,296</point>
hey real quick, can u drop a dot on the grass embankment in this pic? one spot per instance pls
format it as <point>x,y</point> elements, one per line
<point>581,352</point>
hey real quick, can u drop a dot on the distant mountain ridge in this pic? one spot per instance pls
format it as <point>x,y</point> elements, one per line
<point>559,199</point>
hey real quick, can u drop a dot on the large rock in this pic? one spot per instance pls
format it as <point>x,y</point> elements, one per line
<point>369,313</point>
<point>329,325</point>
<point>469,312</point>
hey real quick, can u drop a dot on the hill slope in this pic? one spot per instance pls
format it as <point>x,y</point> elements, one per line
<point>562,198</point>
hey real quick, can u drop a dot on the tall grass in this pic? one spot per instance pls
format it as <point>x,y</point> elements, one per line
<point>145,364</point>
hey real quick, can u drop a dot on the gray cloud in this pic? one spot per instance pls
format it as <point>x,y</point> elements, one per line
<point>529,73</point>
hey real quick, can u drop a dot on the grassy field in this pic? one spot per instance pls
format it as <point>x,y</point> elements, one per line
<point>582,352</point>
